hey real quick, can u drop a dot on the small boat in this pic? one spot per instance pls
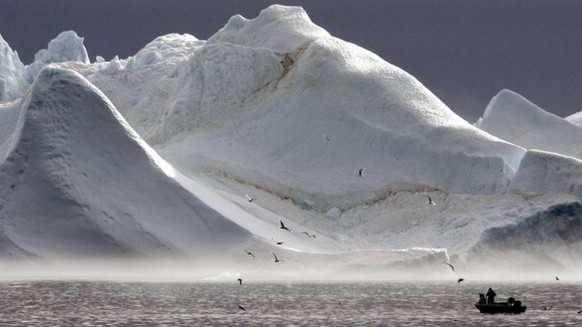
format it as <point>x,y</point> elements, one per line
<point>511,306</point>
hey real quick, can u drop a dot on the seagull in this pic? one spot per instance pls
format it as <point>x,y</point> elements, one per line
<point>556,277</point>
<point>250,253</point>
<point>546,308</point>
<point>240,281</point>
<point>430,201</point>
<point>448,264</point>
<point>283,226</point>
<point>249,198</point>
<point>278,242</point>
<point>361,172</point>
<point>276,259</point>
<point>241,307</point>
<point>460,280</point>
<point>309,235</point>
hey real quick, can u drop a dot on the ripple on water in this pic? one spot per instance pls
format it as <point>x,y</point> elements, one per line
<point>82,303</point>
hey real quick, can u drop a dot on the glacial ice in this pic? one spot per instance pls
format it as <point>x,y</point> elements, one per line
<point>278,108</point>
<point>12,83</point>
<point>515,119</point>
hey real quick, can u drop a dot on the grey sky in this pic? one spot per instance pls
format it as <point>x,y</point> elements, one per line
<point>463,51</point>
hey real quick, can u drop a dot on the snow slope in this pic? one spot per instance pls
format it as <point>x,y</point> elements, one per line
<point>77,181</point>
<point>513,118</point>
<point>260,98</point>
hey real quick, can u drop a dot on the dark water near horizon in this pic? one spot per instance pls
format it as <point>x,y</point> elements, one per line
<point>104,303</point>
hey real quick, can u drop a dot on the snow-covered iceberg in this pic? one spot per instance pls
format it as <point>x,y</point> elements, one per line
<point>515,119</point>
<point>315,131</point>
<point>278,103</point>
<point>77,181</point>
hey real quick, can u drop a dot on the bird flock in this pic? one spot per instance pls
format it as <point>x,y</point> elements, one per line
<point>276,259</point>
<point>361,173</point>
<point>282,226</point>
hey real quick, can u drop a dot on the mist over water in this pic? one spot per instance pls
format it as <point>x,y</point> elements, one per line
<point>109,303</point>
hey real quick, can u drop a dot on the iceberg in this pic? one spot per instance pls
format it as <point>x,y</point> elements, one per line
<point>77,181</point>
<point>515,119</point>
<point>155,156</point>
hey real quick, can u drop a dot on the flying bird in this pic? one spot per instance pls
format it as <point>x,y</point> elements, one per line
<point>239,281</point>
<point>249,198</point>
<point>448,264</point>
<point>556,277</point>
<point>250,253</point>
<point>309,235</point>
<point>283,226</point>
<point>430,201</point>
<point>579,312</point>
<point>460,280</point>
<point>327,138</point>
<point>277,242</point>
<point>241,307</point>
<point>276,259</point>
<point>361,172</point>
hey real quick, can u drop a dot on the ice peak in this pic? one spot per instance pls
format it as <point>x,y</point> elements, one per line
<point>279,28</point>
<point>508,100</point>
<point>172,47</point>
<point>514,118</point>
<point>575,119</point>
<point>67,46</point>
<point>11,73</point>
<point>70,142</point>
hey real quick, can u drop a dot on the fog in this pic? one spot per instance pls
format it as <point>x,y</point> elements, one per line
<point>356,266</point>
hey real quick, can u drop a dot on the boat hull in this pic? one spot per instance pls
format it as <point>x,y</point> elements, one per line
<point>502,307</point>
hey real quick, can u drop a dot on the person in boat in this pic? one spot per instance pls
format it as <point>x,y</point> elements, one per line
<point>482,299</point>
<point>491,295</point>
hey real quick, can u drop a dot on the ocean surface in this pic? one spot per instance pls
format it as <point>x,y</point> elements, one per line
<point>106,303</point>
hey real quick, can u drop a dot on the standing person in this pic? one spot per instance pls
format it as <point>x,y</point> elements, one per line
<point>491,295</point>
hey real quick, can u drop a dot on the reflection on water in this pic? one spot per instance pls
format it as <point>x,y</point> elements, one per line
<point>79,303</point>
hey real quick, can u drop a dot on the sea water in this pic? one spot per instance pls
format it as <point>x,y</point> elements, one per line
<point>107,303</point>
